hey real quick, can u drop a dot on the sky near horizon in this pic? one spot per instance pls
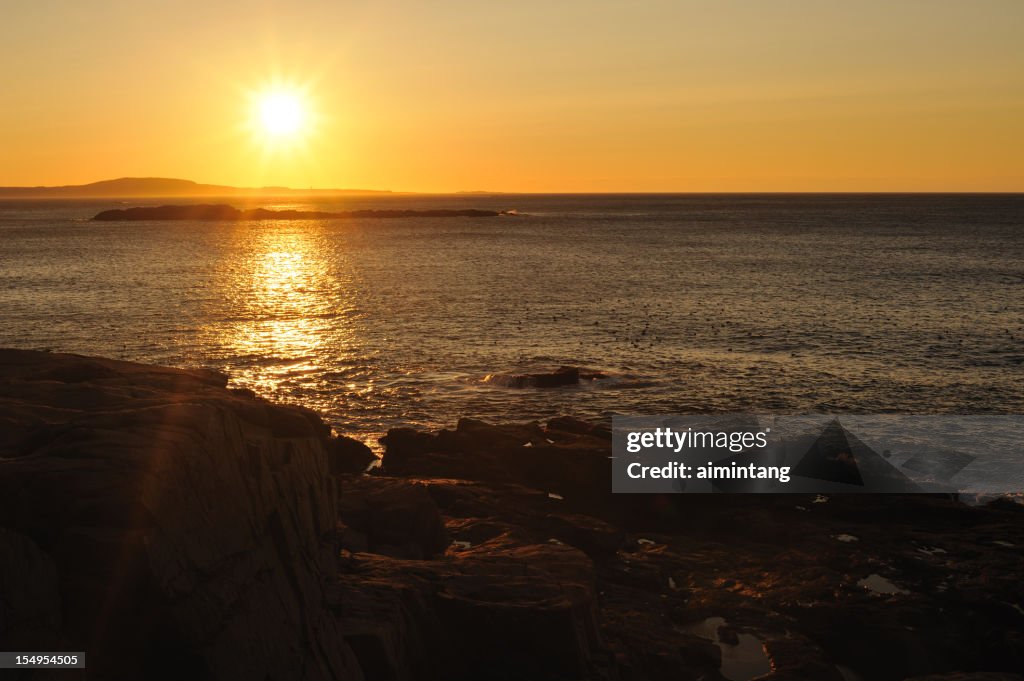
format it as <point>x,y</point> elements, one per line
<point>689,95</point>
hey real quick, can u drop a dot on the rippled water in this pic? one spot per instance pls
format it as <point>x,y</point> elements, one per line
<point>690,303</point>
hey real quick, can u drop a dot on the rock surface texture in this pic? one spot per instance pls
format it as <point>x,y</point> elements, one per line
<point>777,587</point>
<point>174,528</point>
<point>171,528</point>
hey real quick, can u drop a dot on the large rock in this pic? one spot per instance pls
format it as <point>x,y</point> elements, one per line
<point>348,456</point>
<point>186,528</point>
<point>394,517</point>
<point>577,469</point>
<point>500,610</point>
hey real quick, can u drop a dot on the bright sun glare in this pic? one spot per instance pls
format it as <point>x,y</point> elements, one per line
<point>281,113</point>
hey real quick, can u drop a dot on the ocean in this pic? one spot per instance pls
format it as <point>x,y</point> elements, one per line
<point>686,303</point>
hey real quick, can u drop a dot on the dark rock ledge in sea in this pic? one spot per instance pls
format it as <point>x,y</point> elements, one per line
<point>553,378</point>
<point>220,211</point>
<point>176,529</point>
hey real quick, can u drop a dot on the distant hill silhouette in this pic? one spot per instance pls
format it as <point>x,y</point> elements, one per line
<point>129,187</point>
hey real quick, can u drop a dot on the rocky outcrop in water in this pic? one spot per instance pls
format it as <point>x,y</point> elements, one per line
<point>226,212</point>
<point>562,376</point>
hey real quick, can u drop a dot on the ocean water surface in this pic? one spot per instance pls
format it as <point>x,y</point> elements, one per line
<point>689,303</point>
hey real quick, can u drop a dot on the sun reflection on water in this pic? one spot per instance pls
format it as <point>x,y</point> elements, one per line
<point>288,313</point>
<point>283,300</point>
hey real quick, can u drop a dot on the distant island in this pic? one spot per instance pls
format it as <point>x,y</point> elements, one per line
<point>225,212</point>
<point>157,187</point>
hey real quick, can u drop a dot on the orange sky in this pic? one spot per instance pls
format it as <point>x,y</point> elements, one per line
<point>682,95</point>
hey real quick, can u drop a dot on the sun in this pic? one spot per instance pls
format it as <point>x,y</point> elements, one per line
<point>281,114</point>
<point>282,119</point>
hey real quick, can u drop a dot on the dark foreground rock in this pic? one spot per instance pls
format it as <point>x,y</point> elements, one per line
<point>175,529</point>
<point>784,587</point>
<point>347,455</point>
<point>222,211</point>
<point>168,527</point>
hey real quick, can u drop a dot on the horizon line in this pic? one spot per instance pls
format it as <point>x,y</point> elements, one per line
<point>12,191</point>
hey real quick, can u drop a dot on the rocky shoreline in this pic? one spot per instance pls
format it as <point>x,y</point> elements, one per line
<point>174,528</point>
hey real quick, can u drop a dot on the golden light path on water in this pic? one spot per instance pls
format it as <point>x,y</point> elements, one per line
<point>284,309</point>
<point>288,315</point>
